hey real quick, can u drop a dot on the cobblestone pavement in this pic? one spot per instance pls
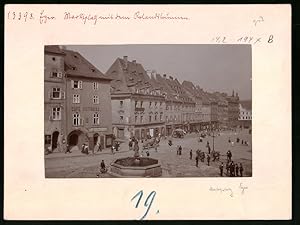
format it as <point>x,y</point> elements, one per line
<point>76,165</point>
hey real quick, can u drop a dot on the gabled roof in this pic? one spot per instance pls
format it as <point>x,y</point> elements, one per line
<point>129,77</point>
<point>77,65</point>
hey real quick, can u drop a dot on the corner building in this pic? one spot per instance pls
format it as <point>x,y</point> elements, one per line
<point>137,105</point>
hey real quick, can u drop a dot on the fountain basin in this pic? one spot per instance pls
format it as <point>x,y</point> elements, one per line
<point>136,167</point>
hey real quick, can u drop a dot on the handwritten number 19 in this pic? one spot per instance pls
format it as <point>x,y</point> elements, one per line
<point>148,202</point>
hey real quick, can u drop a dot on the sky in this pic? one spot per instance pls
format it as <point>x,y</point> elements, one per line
<point>222,68</point>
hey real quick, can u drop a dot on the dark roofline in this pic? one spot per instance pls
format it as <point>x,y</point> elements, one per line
<point>85,77</point>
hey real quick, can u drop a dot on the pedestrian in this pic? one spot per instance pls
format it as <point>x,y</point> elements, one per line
<point>112,149</point>
<point>147,153</point>
<point>232,169</point>
<point>227,168</point>
<point>68,149</point>
<point>155,146</point>
<point>191,154</point>
<point>221,169</point>
<point>229,141</point>
<point>197,161</point>
<point>229,155</point>
<point>236,170</point>
<point>237,140</point>
<point>208,159</point>
<point>208,147</point>
<point>177,152</point>
<point>242,142</point>
<point>180,150</point>
<point>207,144</point>
<point>130,144</point>
<point>232,143</point>
<point>241,169</point>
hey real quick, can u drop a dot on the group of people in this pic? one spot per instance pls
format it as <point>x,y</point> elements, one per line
<point>232,169</point>
<point>243,142</point>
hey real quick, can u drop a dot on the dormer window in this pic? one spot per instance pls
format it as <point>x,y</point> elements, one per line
<point>75,56</point>
<point>93,70</point>
<point>53,58</point>
<point>73,68</point>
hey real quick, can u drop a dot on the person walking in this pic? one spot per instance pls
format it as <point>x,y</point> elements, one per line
<point>236,170</point>
<point>191,154</point>
<point>197,161</point>
<point>180,150</point>
<point>68,149</point>
<point>241,169</point>
<point>208,148</point>
<point>232,169</point>
<point>221,169</point>
<point>229,155</point>
<point>227,168</point>
<point>155,146</point>
<point>208,159</point>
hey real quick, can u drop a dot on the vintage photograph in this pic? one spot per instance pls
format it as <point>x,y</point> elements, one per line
<point>133,111</point>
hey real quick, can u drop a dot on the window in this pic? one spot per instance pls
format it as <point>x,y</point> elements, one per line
<point>135,104</point>
<point>76,84</point>
<point>95,85</point>
<point>150,119</point>
<point>76,119</point>
<point>95,99</point>
<point>155,117</point>
<point>160,104</point>
<point>76,98</point>
<point>150,104</point>
<point>160,117</point>
<point>155,104</point>
<point>56,113</point>
<point>57,93</point>
<point>121,118</point>
<point>121,103</point>
<point>96,119</point>
<point>167,119</point>
<point>135,119</point>
<point>141,119</point>
<point>141,104</point>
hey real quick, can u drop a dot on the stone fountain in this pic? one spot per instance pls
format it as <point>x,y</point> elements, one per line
<point>136,166</point>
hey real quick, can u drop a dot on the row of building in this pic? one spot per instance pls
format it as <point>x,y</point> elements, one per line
<point>84,105</point>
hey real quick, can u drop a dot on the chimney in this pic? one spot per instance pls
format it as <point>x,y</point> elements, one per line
<point>62,47</point>
<point>170,77</point>
<point>165,75</point>
<point>125,58</point>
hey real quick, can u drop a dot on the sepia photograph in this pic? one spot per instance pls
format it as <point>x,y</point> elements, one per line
<point>145,111</point>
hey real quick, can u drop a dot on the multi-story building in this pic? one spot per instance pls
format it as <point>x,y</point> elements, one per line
<point>193,92</point>
<point>233,109</point>
<point>245,117</point>
<point>187,105</point>
<point>77,100</point>
<point>54,96</point>
<point>137,105</point>
<point>222,109</point>
<point>173,115</point>
<point>88,103</point>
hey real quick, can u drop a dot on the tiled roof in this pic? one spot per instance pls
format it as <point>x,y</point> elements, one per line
<point>247,104</point>
<point>77,65</point>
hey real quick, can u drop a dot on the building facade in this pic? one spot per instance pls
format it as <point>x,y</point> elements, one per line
<point>83,94</point>
<point>137,105</point>
<point>245,117</point>
<point>54,97</point>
